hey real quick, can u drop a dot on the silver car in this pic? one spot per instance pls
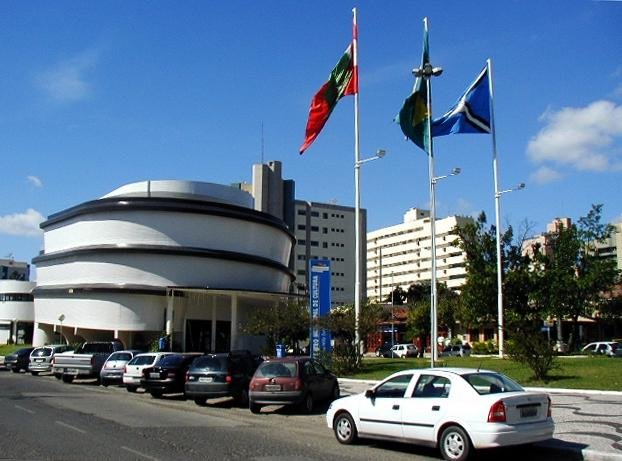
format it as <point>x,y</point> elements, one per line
<point>114,367</point>
<point>41,357</point>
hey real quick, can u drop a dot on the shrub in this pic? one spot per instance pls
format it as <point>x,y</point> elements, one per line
<point>484,347</point>
<point>533,349</point>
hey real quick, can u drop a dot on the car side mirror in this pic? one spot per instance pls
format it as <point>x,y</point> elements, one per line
<point>369,393</point>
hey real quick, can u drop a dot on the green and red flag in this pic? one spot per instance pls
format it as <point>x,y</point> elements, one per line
<point>342,81</point>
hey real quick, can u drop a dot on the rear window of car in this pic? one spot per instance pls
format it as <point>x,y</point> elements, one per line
<point>210,363</point>
<point>171,360</point>
<point>277,369</point>
<point>120,356</point>
<point>142,360</point>
<point>491,383</point>
<point>42,352</point>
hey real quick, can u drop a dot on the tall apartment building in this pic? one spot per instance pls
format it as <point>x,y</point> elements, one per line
<point>401,254</point>
<point>612,248</point>
<point>324,230</point>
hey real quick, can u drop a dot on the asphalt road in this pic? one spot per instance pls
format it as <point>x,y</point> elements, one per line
<point>42,418</point>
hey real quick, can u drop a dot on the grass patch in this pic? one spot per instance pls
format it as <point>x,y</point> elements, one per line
<point>6,349</point>
<point>577,372</point>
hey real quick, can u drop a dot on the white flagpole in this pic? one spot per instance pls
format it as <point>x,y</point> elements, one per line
<point>357,200</point>
<point>495,173</point>
<point>433,297</point>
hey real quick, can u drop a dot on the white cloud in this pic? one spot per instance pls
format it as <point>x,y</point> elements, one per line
<point>544,175</point>
<point>35,181</point>
<point>22,224</point>
<point>66,81</point>
<point>582,138</point>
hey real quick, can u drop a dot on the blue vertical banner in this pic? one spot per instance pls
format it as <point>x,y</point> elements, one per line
<point>319,293</point>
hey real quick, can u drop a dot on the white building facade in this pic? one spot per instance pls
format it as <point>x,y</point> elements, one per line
<point>190,259</point>
<point>400,255</point>
<point>324,230</point>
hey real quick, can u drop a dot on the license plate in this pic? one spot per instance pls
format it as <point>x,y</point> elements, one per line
<point>71,371</point>
<point>527,412</point>
<point>272,387</point>
<point>38,360</point>
<point>154,375</point>
<point>204,379</point>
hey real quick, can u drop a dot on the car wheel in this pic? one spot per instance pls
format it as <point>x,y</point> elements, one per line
<point>15,370</point>
<point>131,388</point>
<point>455,444</point>
<point>156,394</point>
<point>58,375</point>
<point>34,373</point>
<point>336,392</point>
<point>254,408</point>
<point>200,400</point>
<point>307,403</point>
<point>378,353</point>
<point>103,383</point>
<point>345,430</point>
<point>67,379</point>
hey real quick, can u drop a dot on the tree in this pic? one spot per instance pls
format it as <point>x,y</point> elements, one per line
<point>285,323</point>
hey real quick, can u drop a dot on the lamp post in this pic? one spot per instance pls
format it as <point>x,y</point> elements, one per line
<point>433,300</point>
<point>61,317</point>
<point>392,311</point>
<point>498,194</point>
<point>357,238</point>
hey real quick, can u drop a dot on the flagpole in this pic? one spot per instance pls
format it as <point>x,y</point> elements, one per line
<point>433,294</point>
<point>357,199</point>
<point>495,173</point>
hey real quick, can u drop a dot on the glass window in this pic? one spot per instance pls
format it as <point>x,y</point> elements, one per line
<point>210,363</point>
<point>491,383</point>
<point>121,356</point>
<point>432,386</point>
<point>395,387</point>
<point>142,360</point>
<point>274,369</point>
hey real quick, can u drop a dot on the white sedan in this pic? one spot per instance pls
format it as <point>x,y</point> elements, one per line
<point>455,409</point>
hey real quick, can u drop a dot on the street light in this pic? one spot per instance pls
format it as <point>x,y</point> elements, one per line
<point>61,317</point>
<point>433,301</point>
<point>357,238</point>
<point>392,311</point>
<point>498,194</point>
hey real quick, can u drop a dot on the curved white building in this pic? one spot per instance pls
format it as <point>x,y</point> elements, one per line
<point>187,257</point>
<point>16,311</point>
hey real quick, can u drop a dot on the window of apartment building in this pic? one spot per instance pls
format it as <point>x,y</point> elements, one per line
<point>325,215</point>
<point>302,212</point>
<point>324,244</point>
<point>301,227</point>
<point>315,214</point>
<point>302,242</point>
<point>302,257</point>
<point>315,243</point>
<point>315,229</point>
<point>324,230</point>
<point>301,272</point>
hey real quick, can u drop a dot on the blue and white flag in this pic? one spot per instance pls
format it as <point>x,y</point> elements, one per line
<point>471,114</point>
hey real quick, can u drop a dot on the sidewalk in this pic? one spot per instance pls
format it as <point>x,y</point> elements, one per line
<point>588,424</point>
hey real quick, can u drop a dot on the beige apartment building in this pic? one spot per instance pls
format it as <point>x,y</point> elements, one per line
<point>400,255</point>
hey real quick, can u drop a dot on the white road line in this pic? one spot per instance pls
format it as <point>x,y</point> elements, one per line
<point>139,453</point>
<point>25,409</point>
<point>68,426</point>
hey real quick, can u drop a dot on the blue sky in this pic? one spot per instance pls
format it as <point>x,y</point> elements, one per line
<point>95,95</point>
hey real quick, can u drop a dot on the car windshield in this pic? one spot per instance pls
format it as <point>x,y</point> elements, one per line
<point>142,360</point>
<point>277,369</point>
<point>125,356</point>
<point>210,363</point>
<point>42,352</point>
<point>491,383</point>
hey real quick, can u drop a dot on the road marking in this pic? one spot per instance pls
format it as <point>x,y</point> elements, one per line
<point>69,426</point>
<point>25,409</point>
<point>139,453</point>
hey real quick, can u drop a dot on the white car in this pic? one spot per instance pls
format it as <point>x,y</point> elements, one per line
<point>403,350</point>
<point>608,348</point>
<point>133,371</point>
<point>454,409</point>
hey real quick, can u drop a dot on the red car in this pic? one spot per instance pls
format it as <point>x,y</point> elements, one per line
<point>291,381</point>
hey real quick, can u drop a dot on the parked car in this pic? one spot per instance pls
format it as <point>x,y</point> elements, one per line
<point>18,360</point>
<point>461,350</point>
<point>114,366</point>
<point>384,350</point>
<point>41,357</point>
<point>291,381</point>
<point>403,350</point>
<point>168,376</point>
<point>133,371</point>
<point>608,348</point>
<point>86,361</point>
<point>221,375</point>
<point>454,409</point>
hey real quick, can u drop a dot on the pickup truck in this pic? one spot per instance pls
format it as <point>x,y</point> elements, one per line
<point>86,362</point>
